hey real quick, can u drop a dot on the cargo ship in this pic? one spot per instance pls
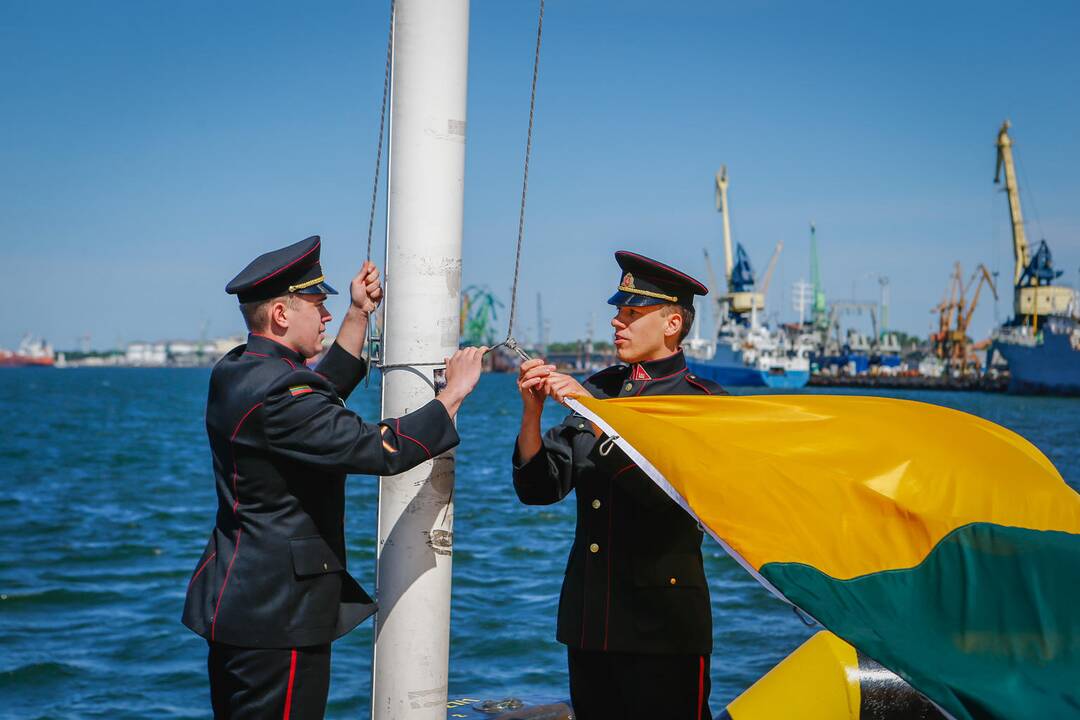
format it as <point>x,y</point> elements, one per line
<point>1041,343</point>
<point>31,353</point>
<point>743,352</point>
<point>752,357</point>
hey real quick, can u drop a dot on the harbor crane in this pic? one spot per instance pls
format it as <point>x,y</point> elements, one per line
<point>1034,293</point>
<point>951,342</point>
<point>479,310</point>
<point>772,266</point>
<point>742,298</point>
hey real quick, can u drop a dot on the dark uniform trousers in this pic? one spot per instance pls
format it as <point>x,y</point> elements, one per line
<point>634,609</point>
<point>271,590</point>
<point>256,683</point>
<point>638,686</point>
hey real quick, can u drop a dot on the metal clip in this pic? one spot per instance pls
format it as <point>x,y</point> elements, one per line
<point>605,447</point>
<point>512,344</point>
<point>373,345</point>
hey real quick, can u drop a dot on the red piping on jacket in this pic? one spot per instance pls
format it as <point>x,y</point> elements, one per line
<point>288,692</point>
<point>239,530</point>
<point>201,568</point>
<point>248,352</point>
<point>236,470</point>
<point>213,623</point>
<point>698,385</point>
<point>665,377</point>
<point>275,341</point>
<point>398,431</point>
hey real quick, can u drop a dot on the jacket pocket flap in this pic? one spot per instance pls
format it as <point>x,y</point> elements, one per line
<point>676,570</point>
<point>312,556</point>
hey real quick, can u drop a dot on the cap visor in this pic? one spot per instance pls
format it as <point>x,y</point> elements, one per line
<point>623,299</point>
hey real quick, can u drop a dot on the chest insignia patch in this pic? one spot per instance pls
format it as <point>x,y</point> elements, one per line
<point>295,390</point>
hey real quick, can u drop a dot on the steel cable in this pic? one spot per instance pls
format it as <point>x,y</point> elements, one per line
<point>509,341</point>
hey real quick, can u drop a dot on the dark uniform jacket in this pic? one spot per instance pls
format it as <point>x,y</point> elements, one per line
<point>273,573</point>
<point>634,581</point>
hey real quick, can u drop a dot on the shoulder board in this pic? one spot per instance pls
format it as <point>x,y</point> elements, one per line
<point>708,386</point>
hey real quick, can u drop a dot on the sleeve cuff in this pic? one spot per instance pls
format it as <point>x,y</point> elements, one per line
<point>518,465</point>
<point>430,427</point>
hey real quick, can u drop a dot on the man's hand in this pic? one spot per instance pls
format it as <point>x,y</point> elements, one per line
<point>366,288</point>
<point>561,386</point>
<point>366,293</point>
<point>462,374</point>
<point>531,376</point>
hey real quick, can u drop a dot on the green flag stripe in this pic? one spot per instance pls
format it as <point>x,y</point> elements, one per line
<point>986,626</point>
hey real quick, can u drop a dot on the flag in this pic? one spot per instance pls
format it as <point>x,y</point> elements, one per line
<point>942,545</point>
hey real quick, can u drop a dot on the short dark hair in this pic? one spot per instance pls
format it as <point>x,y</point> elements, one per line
<point>257,313</point>
<point>687,312</point>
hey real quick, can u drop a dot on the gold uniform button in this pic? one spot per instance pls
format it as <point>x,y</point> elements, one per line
<point>629,387</point>
<point>594,548</point>
<point>581,426</point>
<point>672,581</point>
<point>595,504</point>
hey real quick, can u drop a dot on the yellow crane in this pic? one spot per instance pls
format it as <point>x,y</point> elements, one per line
<point>741,300</point>
<point>1034,295</point>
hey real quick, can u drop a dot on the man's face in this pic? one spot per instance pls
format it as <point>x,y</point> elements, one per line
<point>640,333</point>
<point>307,323</point>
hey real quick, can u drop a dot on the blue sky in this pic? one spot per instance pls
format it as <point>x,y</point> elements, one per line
<point>148,150</point>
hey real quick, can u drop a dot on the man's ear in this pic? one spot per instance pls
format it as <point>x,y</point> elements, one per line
<point>674,324</point>
<point>278,314</point>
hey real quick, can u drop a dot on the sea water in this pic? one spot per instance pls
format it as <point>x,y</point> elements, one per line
<point>107,499</point>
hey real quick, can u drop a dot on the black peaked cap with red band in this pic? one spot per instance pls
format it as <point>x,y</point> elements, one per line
<point>292,269</point>
<point>644,281</point>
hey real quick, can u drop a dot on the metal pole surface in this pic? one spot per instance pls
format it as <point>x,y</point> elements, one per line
<point>423,286</point>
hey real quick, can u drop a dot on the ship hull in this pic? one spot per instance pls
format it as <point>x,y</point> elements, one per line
<point>19,361</point>
<point>1051,367</point>
<point>743,376</point>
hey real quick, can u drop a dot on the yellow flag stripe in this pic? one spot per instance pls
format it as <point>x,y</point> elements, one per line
<point>847,485</point>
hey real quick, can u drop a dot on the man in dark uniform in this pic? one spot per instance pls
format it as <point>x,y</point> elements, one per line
<point>271,590</point>
<point>634,610</point>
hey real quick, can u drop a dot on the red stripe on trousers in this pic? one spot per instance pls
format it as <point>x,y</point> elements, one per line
<point>288,692</point>
<point>700,686</point>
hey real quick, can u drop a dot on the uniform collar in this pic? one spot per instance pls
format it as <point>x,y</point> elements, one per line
<point>656,369</point>
<point>263,346</point>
